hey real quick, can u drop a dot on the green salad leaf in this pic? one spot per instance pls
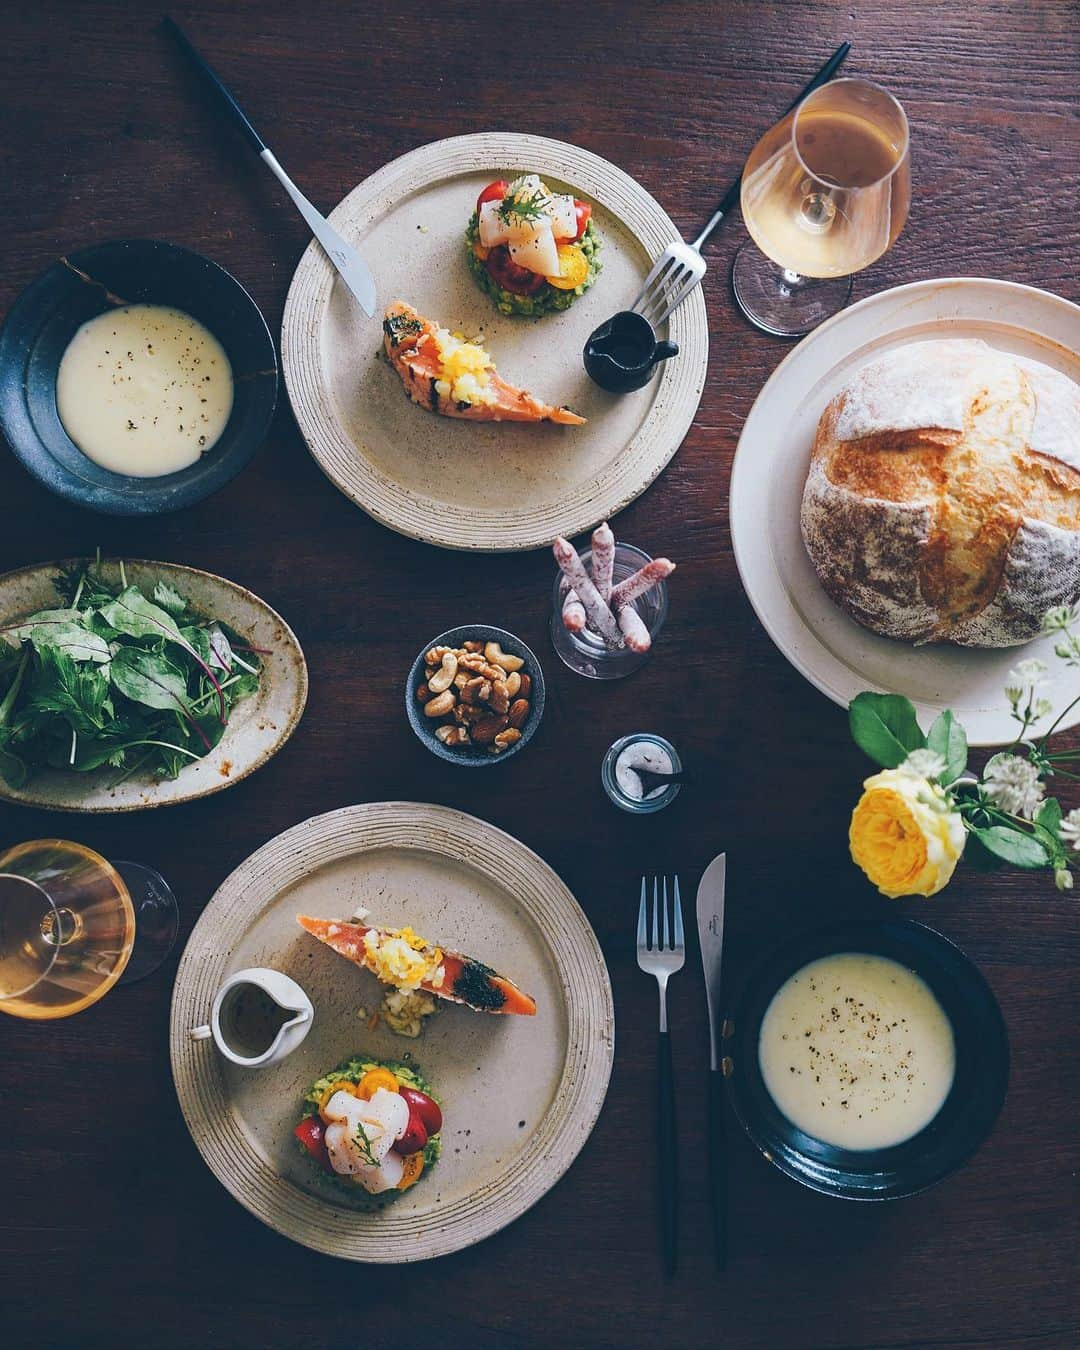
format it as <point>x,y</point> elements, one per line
<point>114,678</point>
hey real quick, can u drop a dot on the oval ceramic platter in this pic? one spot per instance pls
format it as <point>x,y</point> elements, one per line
<point>519,1094</point>
<point>834,653</point>
<point>487,486</point>
<point>258,726</point>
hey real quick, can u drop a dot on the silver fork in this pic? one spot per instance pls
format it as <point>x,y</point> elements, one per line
<point>663,959</point>
<point>674,275</point>
<point>680,267</point>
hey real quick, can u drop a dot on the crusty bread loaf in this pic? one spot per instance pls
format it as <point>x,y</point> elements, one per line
<point>943,499</point>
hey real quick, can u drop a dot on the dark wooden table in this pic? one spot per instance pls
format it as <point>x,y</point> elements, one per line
<point>113,1232</point>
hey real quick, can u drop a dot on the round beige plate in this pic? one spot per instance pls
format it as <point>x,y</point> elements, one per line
<point>258,726</point>
<point>519,1094</point>
<point>489,486</point>
<point>835,653</point>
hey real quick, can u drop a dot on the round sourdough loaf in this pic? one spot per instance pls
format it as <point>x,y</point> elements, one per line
<point>943,499</point>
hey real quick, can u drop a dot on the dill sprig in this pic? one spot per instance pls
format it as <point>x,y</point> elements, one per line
<point>531,207</point>
<point>364,1144</point>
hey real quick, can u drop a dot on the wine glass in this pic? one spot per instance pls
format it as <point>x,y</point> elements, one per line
<point>824,194</point>
<point>72,925</point>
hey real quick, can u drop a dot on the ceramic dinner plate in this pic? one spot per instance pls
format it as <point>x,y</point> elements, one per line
<point>258,726</point>
<point>834,653</point>
<point>519,1094</point>
<point>483,485</point>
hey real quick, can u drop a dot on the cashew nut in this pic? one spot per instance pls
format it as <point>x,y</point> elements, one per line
<point>513,684</point>
<point>498,657</point>
<point>441,704</point>
<point>444,676</point>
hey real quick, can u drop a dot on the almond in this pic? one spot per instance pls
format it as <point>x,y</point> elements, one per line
<point>485,731</point>
<point>525,688</point>
<point>519,713</point>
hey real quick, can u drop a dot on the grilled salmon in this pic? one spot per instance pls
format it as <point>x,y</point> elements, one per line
<point>445,374</point>
<point>400,958</point>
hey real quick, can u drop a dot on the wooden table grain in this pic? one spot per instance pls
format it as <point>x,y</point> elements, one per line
<point>112,1232</point>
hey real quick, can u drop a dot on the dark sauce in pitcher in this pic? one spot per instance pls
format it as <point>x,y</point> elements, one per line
<point>622,353</point>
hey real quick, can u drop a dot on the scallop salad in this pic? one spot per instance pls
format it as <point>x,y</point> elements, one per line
<point>373,1126</point>
<point>533,251</point>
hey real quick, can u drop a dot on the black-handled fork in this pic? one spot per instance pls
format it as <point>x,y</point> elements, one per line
<point>663,958</point>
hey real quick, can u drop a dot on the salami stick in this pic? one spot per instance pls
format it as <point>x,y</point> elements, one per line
<point>634,630</point>
<point>597,610</point>
<point>573,612</point>
<point>644,579</point>
<point>603,560</point>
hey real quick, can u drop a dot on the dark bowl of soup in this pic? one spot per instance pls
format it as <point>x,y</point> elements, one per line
<point>136,377</point>
<point>867,1060</point>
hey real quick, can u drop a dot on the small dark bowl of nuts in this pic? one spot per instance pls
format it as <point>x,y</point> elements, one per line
<point>475,695</point>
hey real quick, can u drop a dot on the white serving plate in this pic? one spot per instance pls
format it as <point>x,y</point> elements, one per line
<point>474,485</point>
<point>258,726</point>
<point>834,653</point>
<point>520,1095</point>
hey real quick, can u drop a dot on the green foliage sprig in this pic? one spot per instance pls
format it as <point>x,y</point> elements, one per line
<point>1005,809</point>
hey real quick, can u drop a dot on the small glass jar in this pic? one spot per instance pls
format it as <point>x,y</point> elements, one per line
<point>586,652</point>
<point>622,799</point>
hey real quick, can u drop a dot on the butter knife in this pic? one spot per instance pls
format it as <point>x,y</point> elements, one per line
<point>710,922</point>
<point>352,268</point>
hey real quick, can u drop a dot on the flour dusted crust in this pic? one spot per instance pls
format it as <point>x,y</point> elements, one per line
<point>943,498</point>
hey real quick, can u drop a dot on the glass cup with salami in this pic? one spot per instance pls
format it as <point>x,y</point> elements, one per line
<point>608,605</point>
<point>824,194</point>
<point>72,925</point>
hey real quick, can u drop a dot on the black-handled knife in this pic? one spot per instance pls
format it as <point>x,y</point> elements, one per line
<point>351,267</point>
<point>710,920</point>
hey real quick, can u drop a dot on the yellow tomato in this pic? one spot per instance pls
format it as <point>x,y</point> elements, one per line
<point>410,1174</point>
<point>343,1086</point>
<point>373,1080</point>
<point>573,268</point>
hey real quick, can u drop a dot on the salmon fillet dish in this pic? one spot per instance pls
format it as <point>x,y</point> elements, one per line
<point>448,375</point>
<point>397,956</point>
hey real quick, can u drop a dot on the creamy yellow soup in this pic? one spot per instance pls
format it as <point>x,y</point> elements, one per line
<point>856,1051</point>
<point>144,390</point>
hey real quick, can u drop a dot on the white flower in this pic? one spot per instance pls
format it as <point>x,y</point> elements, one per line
<point>1063,879</point>
<point>1042,708</point>
<point>1013,784</point>
<point>1030,671</point>
<point>1060,618</point>
<point>924,764</point>
<point>1069,829</point>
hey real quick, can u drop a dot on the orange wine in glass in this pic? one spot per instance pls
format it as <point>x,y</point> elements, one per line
<point>823,195</point>
<point>69,926</point>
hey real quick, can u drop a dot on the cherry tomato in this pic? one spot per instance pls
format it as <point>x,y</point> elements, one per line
<point>414,1138</point>
<point>423,1106</point>
<point>310,1132</point>
<point>494,192</point>
<point>583,211</point>
<point>507,274</point>
<point>373,1080</point>
<point>573,268</point>
<point>410,1173</point>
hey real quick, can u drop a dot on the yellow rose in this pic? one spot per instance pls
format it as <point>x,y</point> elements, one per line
<point>905,835</point>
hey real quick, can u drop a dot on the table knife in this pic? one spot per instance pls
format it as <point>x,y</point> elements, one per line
<point>710,922</point>
<point>352,268</point>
